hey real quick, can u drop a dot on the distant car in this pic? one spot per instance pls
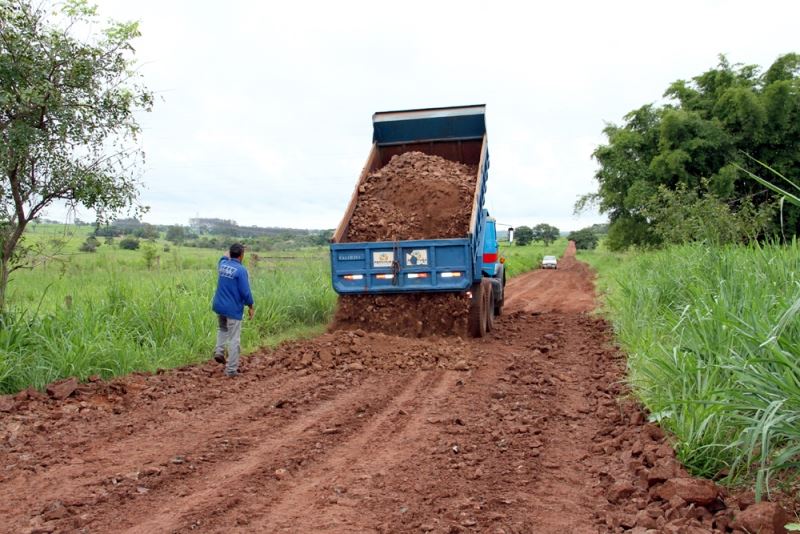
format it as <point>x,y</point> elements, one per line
<point>549,262</point>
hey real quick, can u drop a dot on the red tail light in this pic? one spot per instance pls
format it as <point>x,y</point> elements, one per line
<point>489,258</point>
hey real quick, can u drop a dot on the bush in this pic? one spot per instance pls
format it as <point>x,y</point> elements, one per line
<point>88,246</point>
<point>149,256</point>
<point>129,243</point>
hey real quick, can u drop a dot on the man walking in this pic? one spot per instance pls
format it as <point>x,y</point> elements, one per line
<point>233,294</point>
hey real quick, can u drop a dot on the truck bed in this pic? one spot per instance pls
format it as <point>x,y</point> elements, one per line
<point>427,265</point>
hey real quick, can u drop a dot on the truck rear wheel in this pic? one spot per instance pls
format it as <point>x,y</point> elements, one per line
<point>489,291</point>
<point>477,311</point>
<point>498,303</point>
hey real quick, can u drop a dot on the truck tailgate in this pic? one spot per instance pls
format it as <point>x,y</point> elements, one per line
<point>404,266</point>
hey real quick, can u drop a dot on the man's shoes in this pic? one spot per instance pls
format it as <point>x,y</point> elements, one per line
<point>233,374</point>
<point>219,358</point>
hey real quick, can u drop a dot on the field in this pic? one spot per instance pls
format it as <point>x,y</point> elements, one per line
<point>712,337</point>
<point>106,313</point>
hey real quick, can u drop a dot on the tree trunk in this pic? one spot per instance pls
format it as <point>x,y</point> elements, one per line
<point>4,272</point>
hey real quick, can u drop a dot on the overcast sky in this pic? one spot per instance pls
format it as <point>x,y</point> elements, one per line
<point>264,108</point>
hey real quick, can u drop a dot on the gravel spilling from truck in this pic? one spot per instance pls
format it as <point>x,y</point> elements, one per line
<point>405,314</point>
<point>414,196</point>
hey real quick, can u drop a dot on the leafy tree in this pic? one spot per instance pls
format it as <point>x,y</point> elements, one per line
<point>129,243</point>
<point>523,235</point>
<point>584,239</point>
<point>67,105</point>
<point>176,234</point>
<point>700,141</point>
<point>545,233</point>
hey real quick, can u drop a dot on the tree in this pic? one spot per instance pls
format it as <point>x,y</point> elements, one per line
<point>700,141</point>
<point>176,234</point>
<point>545,233</point>
<point>584,239</point>
<point>67,119</point>
<point>523,235</point>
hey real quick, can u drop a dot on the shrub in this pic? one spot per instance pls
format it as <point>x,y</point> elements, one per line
<point>129,243</point>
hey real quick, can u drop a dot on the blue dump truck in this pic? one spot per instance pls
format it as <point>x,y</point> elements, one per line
<point>468,265</point>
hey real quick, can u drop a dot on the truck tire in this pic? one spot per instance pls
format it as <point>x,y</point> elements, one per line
<point>498,303</point>
<point>489,292</point>
<point>477,311</point>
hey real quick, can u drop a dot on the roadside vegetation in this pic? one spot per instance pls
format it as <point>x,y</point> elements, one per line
<point>115,311</point>
<point>712,336</point>
<point>705,298</point>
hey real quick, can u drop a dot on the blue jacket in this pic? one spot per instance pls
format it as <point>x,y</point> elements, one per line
<point>233,289</point>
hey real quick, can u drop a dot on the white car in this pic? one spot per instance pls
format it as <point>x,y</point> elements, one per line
<point>549,262</point>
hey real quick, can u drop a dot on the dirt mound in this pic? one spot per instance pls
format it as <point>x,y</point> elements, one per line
<point>414,196</point>
<point>416,314</point>
<point>359,350</point>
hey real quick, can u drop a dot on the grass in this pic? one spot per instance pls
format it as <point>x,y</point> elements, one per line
<point>106,313</point>
<point>713,338</point>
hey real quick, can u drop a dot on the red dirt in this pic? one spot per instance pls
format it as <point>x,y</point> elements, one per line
<point>520,432</point>
<point>405,314</point>
<point>414,196</point>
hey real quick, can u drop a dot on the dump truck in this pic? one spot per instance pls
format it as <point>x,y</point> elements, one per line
<point>469,265</point>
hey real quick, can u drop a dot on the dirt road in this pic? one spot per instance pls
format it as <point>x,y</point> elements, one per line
<point>519,432</point>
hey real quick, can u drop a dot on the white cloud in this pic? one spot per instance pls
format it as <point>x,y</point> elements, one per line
<point>266,107</point>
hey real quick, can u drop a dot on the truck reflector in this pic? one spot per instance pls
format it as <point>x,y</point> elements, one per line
<point>353,277</point>
<point>418,275</point>
<point>384,276</point>
<point>489,258</point>
<point>451,275</point>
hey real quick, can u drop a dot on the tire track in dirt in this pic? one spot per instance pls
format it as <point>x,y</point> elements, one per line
<point>83,470</point>
<point>243,471</point>
<point>332,486</point>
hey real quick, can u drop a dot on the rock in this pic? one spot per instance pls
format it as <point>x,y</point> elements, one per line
<point>461,365</point>
<point>619,490</point>
<point>325,356</point>
<point>281,473</point>
<point>661,472</point>
<point>7,403</point>
<point>763,518</point>
<point>693,490</point>
<point>63,388</point>
<point>356,366</point>
<point>55,510</point>
<point>306,359</point>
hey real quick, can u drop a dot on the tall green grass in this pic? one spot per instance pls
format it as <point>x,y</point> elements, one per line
<point>713,343</point>
<point>106,314</point>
